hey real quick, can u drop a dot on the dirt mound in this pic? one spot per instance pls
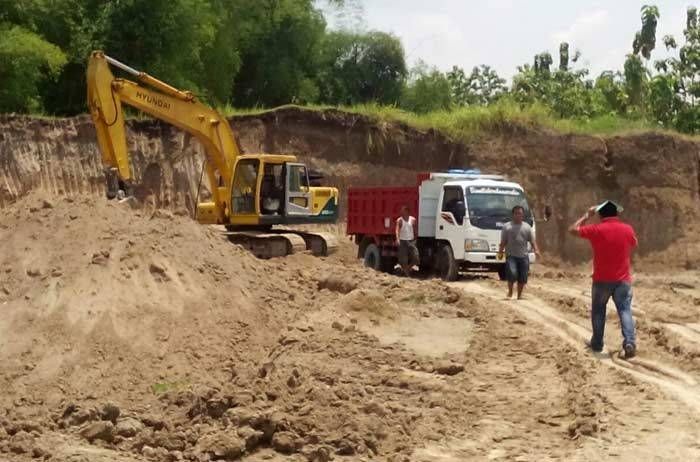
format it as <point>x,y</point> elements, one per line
<point>129,328</point>
<point>85,281</point>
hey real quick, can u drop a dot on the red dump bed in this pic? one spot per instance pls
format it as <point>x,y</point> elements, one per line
<point>375,210</point>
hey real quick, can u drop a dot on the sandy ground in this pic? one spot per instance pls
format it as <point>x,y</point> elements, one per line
<point>134,334</point>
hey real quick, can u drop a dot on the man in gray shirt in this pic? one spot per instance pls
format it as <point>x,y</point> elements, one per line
<point>515,237</point>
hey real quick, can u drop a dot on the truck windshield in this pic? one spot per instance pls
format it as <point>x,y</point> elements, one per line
<point>492,207</point>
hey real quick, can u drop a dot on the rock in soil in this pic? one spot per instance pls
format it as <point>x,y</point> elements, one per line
<point>448,368</point>
<point>21,443</point>
<point>339,284</point>
<point>251,436</point>
<point>375,408</point>
<point>128,427</point>
<point>284,442</point>
<point>320,454</point>
<point>74,415</point>
<point>221,445</point>
<point>103,430</point>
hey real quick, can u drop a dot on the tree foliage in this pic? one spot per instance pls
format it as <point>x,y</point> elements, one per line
<point>242,52</point>
<point>428,90</point>
<point>645,39</point>
<point>481,87</point>
<point>26,60</point>
<point>263,53</point>
<point>610,93</point>
<point>674,91</point>
<point>564,57</point>
<point>361,67</point>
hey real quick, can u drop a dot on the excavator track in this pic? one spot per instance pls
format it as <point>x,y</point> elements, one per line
<point>320,244</point>
<point>279,243</point>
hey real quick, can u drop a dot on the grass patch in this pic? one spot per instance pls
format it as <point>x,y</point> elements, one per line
<point>164,387</point>
<point>468,123</point>
<point>415,299</point>
<point>605,125</point>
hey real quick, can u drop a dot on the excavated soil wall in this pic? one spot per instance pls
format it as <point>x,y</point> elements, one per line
<point>656,176</point>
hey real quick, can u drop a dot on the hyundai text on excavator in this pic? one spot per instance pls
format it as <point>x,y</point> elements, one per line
<point>249,192</point>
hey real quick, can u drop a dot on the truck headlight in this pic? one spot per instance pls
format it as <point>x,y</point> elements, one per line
<point>476,245</point>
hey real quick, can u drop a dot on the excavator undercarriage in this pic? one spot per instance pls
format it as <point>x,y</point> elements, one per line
<point>282,242</point>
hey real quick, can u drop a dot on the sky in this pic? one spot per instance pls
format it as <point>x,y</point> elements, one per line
<point>508,33</point>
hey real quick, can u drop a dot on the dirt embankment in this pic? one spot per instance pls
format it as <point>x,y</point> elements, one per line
<point>657,177</point>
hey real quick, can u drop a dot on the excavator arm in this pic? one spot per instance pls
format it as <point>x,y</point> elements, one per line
<point>106,94</point>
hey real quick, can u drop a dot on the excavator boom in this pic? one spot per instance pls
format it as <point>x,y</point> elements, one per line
<point>106,94</point>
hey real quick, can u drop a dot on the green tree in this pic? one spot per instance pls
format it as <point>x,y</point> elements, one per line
<point>483,86</point>
<point>25,61</point>
<point>185,42</point>
<point>645,40</point>
<point>427,90</point>
<point>635,80</point>
<point>564,56</point>
<point>543,62</point>
<point>636,74</point>
<point>674,91</point>
<point>662,99</point>
<point>170,39</point>
<point>567,92</point>
<point>279,52</point>
<point>571,94</point>
<point>610,93</point>
<point>359,68</point>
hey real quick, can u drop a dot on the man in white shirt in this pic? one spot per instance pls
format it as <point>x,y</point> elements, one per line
<point>406,238</point>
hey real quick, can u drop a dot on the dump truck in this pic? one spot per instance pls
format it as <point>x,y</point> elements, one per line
<point>460,214</point>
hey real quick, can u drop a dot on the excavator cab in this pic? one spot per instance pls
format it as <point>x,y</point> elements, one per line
<point>275,189</point>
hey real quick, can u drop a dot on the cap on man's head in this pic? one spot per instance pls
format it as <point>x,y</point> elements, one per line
<point>609,209</point>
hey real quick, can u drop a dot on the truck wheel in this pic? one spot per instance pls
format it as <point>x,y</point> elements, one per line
<point>446,265</point>
<point>502,273</point>
<point>372,257</point>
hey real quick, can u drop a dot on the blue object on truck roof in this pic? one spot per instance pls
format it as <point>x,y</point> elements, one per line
<point>471,171</point>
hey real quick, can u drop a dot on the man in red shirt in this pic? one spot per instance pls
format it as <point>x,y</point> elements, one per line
<point>613,242</point>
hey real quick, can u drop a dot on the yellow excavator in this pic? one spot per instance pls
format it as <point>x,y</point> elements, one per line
<point>249,192</point>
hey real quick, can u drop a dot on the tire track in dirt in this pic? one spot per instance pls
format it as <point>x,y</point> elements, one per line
<point>672,381</point>
<point>687,331</point>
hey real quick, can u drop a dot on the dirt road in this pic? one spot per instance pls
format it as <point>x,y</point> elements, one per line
<point>135,334</point>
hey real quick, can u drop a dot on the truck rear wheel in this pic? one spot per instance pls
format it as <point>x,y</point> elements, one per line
<point>372,257</point>
<point>446,265</point>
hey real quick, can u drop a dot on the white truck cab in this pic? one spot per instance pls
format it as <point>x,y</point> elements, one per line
<point>464,212</point>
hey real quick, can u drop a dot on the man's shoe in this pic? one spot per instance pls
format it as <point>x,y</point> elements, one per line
<point>588,345</point>
<point>630,351</point>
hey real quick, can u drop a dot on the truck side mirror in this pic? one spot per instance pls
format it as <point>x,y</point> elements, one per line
<point>460,211</point>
